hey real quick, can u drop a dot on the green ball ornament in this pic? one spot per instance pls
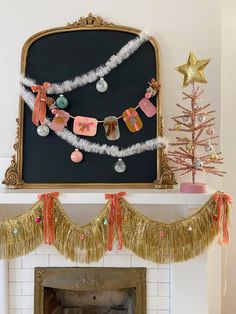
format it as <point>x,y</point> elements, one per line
<point>61,102</point>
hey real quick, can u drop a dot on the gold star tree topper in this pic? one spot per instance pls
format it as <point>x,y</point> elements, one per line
<point>193,70</point>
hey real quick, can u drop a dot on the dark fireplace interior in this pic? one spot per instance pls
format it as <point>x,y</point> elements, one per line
<point>80,290</point>
<point>120,301</point>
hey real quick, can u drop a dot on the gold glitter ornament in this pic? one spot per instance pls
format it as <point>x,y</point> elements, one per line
<point>214,156</point>
<point>178,126</point>
<point>189,146</point>
<point>125,219</point>
<point>193,70</point>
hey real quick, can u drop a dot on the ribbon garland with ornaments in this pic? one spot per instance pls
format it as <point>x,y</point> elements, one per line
<point>194,152</point>
<point>46,221</point>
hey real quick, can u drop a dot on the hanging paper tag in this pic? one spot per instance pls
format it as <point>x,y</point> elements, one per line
<point>147,107</point>
<point>85,126</point>
<point>132,120</point>
<point>60,120</point>
<point>111,128</point>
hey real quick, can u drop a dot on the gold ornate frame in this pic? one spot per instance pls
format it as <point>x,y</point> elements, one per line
<point>13,176</point>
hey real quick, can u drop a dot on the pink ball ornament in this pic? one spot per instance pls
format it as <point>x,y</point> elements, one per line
<point>76,156</point>
<point>37,219</point>
<point>162,234</point>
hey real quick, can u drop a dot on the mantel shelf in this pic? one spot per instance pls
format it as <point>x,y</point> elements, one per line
<point>146,196</point>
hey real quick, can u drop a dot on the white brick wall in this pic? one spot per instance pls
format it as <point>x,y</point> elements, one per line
<point>21,277</point>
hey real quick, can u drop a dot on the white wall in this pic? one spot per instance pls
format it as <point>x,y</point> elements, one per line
<point>228,143</point>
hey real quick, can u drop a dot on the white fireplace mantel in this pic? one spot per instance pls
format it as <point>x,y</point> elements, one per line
<point>137,196</point>
<point>190,282</point>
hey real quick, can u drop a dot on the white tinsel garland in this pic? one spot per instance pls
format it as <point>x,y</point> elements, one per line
<point>91,147</point>
<point>124,53</point>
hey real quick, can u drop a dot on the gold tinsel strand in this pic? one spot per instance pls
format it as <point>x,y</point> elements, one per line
<point>80,243</point>
<point>152,240</point>
<point>20,235</point>
<point>165,243</point>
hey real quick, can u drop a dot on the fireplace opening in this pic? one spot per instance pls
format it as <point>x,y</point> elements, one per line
<point>120,301</point>
<point>79,290</point>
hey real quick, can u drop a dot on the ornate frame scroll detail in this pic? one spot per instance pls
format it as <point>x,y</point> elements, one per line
<point>167,177</point>
<point>13,175</point>
<point>89,21</point>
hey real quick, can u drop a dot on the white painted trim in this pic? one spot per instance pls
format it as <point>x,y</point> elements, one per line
<point>4,287</point>
<point>189,286</point>
<point>97,196</point>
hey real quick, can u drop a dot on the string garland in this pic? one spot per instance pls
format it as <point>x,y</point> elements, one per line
<point>150,239</point>
<point>90,147</point>
<point>124,53</point>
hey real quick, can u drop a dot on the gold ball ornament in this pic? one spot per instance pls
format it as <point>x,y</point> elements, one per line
<point>214,156</point>
<point>178,126</point>
<point>193,70</point>
<point>125,219</point>
<point>189,146</point>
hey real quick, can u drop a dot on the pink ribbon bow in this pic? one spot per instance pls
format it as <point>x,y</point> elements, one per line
<point>222,203</point>
<point>115,217</point>
<point>85,126</point>
<point>39,111</point>
<point>132,117</point>
<point>48,218</point>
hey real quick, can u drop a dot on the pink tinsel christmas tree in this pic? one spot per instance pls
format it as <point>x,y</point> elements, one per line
<point>195,151</point>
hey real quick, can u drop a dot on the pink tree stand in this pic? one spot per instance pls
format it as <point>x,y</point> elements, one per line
<point>189,187</point>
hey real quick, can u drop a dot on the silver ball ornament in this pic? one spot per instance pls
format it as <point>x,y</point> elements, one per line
<point>15,231</point>
<point>43,130</point>
<point>209,148</point>
<point>120,166</point>
<point>198,164</point>
<point>201,118</point>
<point>101,85</point>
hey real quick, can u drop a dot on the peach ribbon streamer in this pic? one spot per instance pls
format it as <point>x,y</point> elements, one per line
<point>39,112</point>
<point>222,202</point>
<point>114,218</point>
<point>48,218</point>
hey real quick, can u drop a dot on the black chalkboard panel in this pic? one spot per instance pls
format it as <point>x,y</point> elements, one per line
<point>64,55</point>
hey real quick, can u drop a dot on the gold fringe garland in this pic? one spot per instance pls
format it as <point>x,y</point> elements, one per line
<point>175,242</point>
<point>20,235</point>
<point>80,243</point>
<point>152,240</point>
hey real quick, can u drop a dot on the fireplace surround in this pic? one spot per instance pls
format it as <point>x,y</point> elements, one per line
<point>85,290</point>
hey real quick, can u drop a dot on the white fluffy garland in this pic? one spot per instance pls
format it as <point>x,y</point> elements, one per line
<point>124,53</point>
<point>90,147</point>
